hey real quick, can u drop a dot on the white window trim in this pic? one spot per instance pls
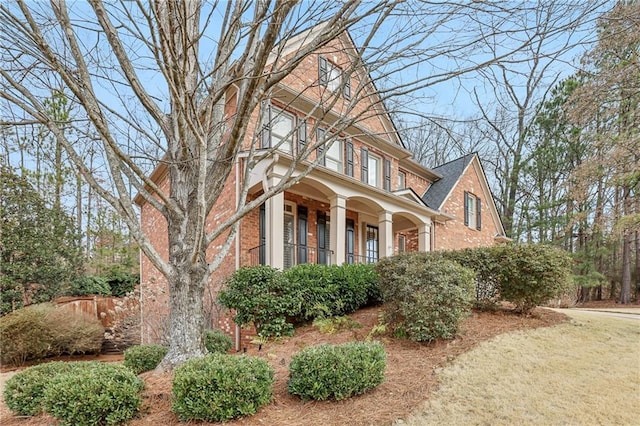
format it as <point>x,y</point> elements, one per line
<point>337,144</point>
<point>287,145</point>
<point>377,173</point>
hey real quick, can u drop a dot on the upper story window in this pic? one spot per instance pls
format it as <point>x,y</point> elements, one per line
<point>472,211</point>
<point>333,157</point>
<point>277,129</point>
<point>330,153</point>
<point>369,167</point>
<point>402,180</point>
<point>331,76</point>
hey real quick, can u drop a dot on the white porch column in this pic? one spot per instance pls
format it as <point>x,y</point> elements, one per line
<point>274,215</point>
<point>338,227</point>
<point>385,228</point>
<point>424,236</point>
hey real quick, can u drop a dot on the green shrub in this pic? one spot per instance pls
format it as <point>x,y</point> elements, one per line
<point>122,283</point>
<point>94,394</point>
<point>217,341</point>
<point>39,331</point>
<point>329,291</point>
<point>262,296</point>
<point>23,392</point>
<point>426,297</point>
<point>221,387</point>
<point>336,371</point>
<point>143,358</point>
<point>485,262</point>
<point>317,290</point>
<point>533,274</point>
<point>89,285</point>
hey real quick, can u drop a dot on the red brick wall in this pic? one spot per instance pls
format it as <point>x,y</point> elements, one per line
<point>154,289</point>
<point>454,234</point>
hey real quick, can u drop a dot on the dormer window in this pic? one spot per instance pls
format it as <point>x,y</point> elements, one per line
<point>331,77</point>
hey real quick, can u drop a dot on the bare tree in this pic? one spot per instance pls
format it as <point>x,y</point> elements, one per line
<point>156,78</point>
<point>520,86</point>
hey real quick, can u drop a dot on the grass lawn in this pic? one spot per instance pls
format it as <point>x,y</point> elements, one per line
<point>585,372</point>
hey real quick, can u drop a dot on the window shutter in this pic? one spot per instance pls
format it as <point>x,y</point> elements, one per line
<point>387,174</point>
<point>364,165</point>
<point>478,215</point>
<point>322,71</point>
<point>320,149</point>
<point>302,135</point>
<point>266,126</point>
<point>466,208</point>
<point>349,155</point>
<point>347,87</point>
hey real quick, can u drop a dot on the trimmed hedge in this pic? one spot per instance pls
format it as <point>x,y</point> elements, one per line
<point>268,298</point>
<point>533,274</point>
<point>260,295</point>
<point>94,394</point>
<point>75,393</point>
<point>336,371</point>
<point>426,297</point>
<point>217,341</point>
<point>42,330</point>
<point>143,358</point>
<point>220,387</point>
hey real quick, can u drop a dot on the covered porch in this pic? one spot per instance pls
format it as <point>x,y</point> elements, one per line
<point>327,219</point>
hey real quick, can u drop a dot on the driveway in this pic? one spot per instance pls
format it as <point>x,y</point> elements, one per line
<point>626,313</point>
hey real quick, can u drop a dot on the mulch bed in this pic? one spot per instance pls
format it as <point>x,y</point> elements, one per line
<point>410,377</point>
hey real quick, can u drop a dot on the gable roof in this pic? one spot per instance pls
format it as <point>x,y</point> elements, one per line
<point>451,173</point>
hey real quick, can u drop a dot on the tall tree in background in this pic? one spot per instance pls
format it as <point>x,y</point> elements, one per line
<point>39,254</point>
<point>507,122</point>
<point>148,83</point>
<point>606,107</point>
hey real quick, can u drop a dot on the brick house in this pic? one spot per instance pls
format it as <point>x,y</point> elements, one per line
<point>367,198</point>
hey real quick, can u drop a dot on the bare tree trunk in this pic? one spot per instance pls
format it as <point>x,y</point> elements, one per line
<point>625,290</point>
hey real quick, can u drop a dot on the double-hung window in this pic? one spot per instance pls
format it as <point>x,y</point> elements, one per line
<point>374,170</point>
<point>333,156</point>
<point>402,180</point>
<point>332,77</point>
<point>277,129</point>
<point>472,211</point>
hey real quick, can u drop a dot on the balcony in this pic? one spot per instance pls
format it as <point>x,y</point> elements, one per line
<point>294,254</point>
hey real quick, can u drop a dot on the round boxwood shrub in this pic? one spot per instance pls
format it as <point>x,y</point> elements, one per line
<point>217,341</point>
<point>221,387</point>
<point>93,394</point>
<point>426,298</point>
<point>23,392</point>
<point>143,358</point>
<point>336,371</point>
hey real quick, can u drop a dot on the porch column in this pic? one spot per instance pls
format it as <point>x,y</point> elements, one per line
<point>385,227</point>
<point>424,236</point>
<point>274,215</point>
<point>337,229</point>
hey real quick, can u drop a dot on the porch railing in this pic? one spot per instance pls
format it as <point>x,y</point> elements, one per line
<point>361,259</point>
<point>293,254</point>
